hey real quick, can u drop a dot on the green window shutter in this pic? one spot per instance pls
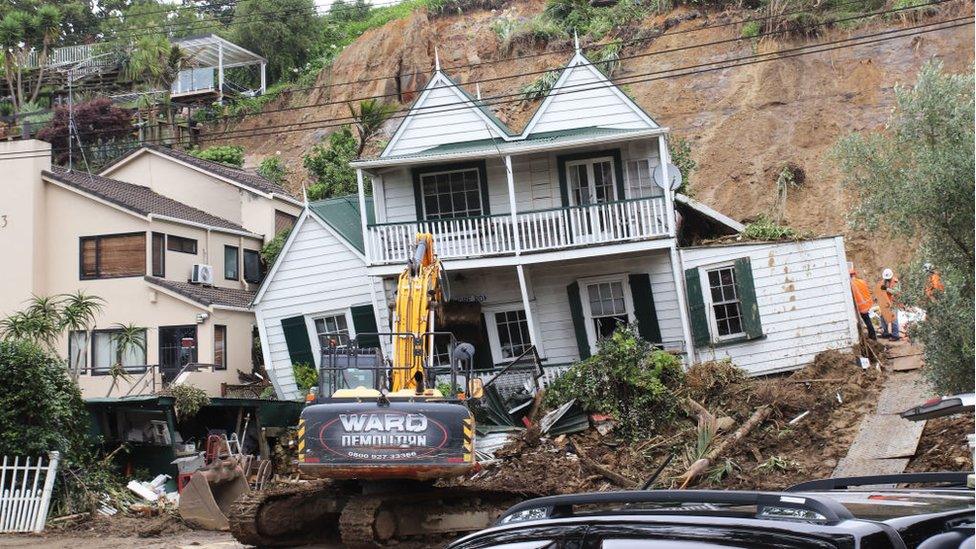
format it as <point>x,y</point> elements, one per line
<point>644,311</point>
<point>696,308</point>
<point>579,326</point>
<point>746,288</point>
<point>364,322</point>
<point>296,337</point>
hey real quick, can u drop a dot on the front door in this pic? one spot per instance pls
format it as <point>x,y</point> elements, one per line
<point>177,348</point>
<point>592,182</point>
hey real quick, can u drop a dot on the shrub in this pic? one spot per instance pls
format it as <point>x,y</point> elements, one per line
<point>272,169</point>
<point>232,155</point>
<point>271,250</point>
<point>680,149</point>
<point>752,29</point>
<point>329,166</point>
<point>764,228</point>
<point>306,377</point>
<point>626,378</point>
<point>103,127</point>
<point>188,400</point>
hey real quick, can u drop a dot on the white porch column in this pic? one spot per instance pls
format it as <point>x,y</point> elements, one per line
<point>526,305</point>
<point>220,73</point>
<point>360,187</point>
<point>385,343</point>
<point>264,78</point>
<point>665,156</point>
<point>677,271</point>
<point>510,175</point>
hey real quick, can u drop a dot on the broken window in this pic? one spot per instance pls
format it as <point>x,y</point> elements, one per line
<point>608,307</point>
<point>513,333</point>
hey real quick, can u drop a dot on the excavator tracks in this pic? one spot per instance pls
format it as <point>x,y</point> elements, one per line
<point>288,515</point>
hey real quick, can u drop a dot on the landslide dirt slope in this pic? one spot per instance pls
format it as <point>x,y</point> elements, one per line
<point>744,123</point>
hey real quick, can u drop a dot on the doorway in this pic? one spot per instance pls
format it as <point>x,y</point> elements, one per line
<point>177,348</point>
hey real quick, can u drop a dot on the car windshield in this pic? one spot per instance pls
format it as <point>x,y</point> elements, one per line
<point>890,504</point>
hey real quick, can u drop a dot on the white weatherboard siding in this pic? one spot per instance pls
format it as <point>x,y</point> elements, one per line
<point>318,274</point>
<point>441,115</point>
<point>804,298</point>
<point>551,305</point>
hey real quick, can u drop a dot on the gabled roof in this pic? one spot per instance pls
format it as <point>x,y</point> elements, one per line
<point>138,199</point>
<point>342,215</point>
<point>208,296</point>
<point>239,176</point>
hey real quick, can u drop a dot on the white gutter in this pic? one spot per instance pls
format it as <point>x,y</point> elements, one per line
<point>509,148</point>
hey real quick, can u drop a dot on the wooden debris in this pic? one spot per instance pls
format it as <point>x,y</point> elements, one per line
<point>595,467</point>
<point>701,466</point>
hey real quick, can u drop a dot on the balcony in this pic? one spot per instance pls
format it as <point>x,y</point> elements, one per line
<point>528,232</point>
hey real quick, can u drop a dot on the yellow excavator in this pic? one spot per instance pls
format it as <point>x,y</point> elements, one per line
<point>377,434</point>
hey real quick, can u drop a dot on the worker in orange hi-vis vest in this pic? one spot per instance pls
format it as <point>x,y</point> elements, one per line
<point>934,284</point>
<point>862,302</point>
<point>885,292</point>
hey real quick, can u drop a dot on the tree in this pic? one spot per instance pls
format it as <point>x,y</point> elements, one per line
<point>102,127</point>
<point>26,38</point>
<point>273,169</point>
<point>127,338</point>
<point>154,65</point>
<point>329,166</point>
<point>285,32</point>
<point>370,119</point>
<point>232,155</point>
<point>915,180</point>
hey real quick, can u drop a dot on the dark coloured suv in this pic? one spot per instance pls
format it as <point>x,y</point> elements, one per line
<point>829,514</point>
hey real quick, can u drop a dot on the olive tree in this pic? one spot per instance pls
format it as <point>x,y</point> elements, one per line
<point>914,180</point>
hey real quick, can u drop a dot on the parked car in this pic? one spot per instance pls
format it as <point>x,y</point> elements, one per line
<point>832,513</point>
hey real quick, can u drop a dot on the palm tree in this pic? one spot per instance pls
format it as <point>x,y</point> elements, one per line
<point>127,338</point>
<point>156,63</point>
<point>78,313</point>
<point>370,118</point>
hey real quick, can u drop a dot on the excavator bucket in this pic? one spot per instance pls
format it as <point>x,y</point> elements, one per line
<point>206,500</point>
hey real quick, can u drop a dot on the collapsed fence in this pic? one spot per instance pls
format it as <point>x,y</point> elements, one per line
<point>25,492</point>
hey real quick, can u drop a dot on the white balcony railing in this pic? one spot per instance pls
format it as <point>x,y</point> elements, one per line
<point>532,231</point>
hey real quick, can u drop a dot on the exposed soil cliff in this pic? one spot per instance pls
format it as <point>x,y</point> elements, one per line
<point>744,123</point>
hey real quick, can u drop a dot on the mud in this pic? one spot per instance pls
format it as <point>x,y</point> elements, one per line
<point>943,445</point>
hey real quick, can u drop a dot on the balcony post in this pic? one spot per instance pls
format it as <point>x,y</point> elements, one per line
<point>526,305</point>
<point>264,78</point>
<point>367,241</point>
<point>665,158</point>
<point>220,73</point>
<point>511,205</point>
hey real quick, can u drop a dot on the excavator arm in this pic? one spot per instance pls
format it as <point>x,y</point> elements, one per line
<point>418,288</point>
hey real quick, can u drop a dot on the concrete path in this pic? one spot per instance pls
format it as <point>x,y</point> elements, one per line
<point>885,442</point>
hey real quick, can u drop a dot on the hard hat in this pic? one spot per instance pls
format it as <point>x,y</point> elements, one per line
<point>887,274</point>
<point>927,266</point>
<point>851,271</point>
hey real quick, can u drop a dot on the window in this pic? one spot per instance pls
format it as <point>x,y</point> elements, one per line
<point>725,304</point>
<point>608,308</point>
<point>220,347</point>
<point>591,181</point>
<point>332,328</point>
<point>640,179</point>
<point>232,263</point>
<point>105,352</point>
<point>511,337</point>
<point>180,244</point>
<point>112,256</point>
<point>283,221</point>
<point>252,266</point>
<point>451,194</point>
<point>78,351</point>
<point>159,254</point>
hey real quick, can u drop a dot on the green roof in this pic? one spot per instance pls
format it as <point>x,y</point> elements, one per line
<point>342,214</point>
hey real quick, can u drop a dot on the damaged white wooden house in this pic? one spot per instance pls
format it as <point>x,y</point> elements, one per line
<point>554,236</point>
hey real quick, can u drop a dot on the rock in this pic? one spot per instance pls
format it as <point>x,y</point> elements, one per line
<point>831,463</point>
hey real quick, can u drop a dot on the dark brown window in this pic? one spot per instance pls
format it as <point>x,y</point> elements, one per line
<point>180,244</point>
<point>220,347</point>
<point>252,266</point>
<point>232,269</point>
<point>159,254</point>
<point>112,256</point>
<point>283,221</point>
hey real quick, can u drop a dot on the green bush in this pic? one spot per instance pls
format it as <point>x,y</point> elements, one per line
<point>188,400</point>
<point>232,155</point>
<point>680,150</point>
<point>764,228</point>
<point>626,378</point>
<point>271,250</point>
<point>273,169</point>
<point>306,377</point>
<point>329,166</point>
<point>752,29</point>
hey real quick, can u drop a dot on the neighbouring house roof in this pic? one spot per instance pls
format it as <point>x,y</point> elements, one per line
<point>210,50</point>
<point>240,176</point>
<point>138,199</point>
<point>206,295</point>
<point>537,142</point>
<point>342,214</point>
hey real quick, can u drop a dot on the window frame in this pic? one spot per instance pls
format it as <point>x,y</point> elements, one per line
<point>491,325</point>
<point>418,190</point>
<point>260,274</point>
<point>563,175</point>
<point>656,190</point>
<point>703,271</point>
<point>106,371</point>
<point>590,162</point>
<point>237,262</point>
<point>98,260</point>
<point>313,334</point>
<point>584,284</point>
<point>181,239</point>
<point>222,365</point>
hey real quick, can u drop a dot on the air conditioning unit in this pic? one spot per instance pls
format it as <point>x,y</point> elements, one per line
<point>202,274</point>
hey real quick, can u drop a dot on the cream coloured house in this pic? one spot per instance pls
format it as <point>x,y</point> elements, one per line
<point>169,241</point>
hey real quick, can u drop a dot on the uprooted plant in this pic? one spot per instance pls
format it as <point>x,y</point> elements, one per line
<point>627,378</point>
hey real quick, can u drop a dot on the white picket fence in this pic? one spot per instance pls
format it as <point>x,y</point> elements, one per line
<point>25,492</point>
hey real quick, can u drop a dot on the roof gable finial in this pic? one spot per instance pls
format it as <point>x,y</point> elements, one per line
<point>576,41</point>
<point>437,60</point>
